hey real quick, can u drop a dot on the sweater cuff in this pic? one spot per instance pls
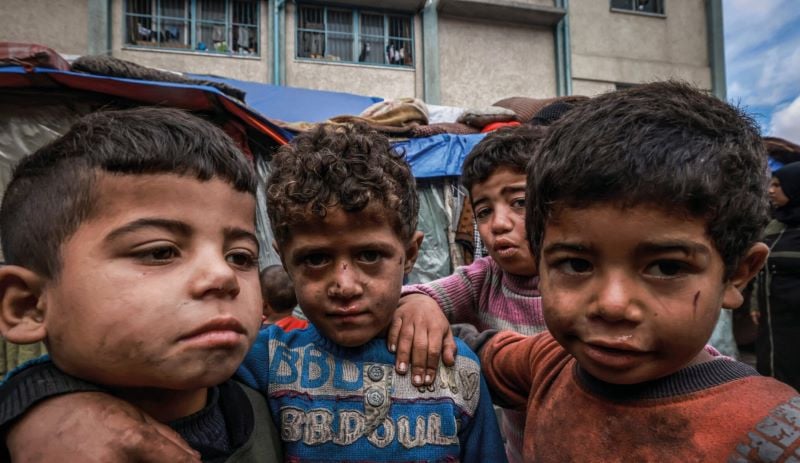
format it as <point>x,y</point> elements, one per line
<point>25,389</point>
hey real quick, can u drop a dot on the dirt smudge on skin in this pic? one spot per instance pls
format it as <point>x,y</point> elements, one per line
<point>694,304</point>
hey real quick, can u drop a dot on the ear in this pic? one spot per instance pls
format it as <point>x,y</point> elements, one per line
<point>21,308</point>
<point>412,251</point>
<point>747,268</point>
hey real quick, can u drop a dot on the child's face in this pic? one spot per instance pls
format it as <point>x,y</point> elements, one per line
<point>159,287</point>
<point>499,205</point>
<point>347,270</point>
<point>633,294</point>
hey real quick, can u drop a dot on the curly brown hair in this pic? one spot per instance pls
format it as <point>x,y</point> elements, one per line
<point>348,166</point>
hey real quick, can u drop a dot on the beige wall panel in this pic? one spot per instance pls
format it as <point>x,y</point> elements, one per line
<point>679,37</point>
<point>251,68</point>
<point>381,81</point>
<point>537,2</point>
<point>484,62</point>
<point>363,80</point>
<point>633,71</point>
<point>590,87</point>
<point>59,24</point>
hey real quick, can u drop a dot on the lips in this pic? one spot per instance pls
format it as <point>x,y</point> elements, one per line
<point>614,354</point>
<point>221,328</point>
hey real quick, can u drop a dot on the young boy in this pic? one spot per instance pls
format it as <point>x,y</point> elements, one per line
<point>644,210</point>
<point>277,291</point>
<point>131,252</point>
<point>499,291</point>
<point>343,208</point>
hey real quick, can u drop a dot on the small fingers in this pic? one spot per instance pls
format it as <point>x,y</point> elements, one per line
<point>419,358</point>
<point>449,349</point>
<point>393,334</point>
<point>404,339</point>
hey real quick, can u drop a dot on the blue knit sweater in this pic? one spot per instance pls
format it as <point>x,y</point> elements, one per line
<point>333,403</point>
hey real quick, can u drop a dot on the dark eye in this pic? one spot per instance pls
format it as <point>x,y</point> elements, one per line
<point>369,257</point>
<point>666,268</point>
<point>482,214</point>
<point>518,203</point>
<point>243,259</point>
<point>157,255</point>
<point>574,266</point>
<point>315,260</point>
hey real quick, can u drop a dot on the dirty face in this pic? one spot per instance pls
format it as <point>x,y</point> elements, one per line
<point>633,294</point>
<point>159,287</point>
<point>499,206</point>
<point>347,270</point>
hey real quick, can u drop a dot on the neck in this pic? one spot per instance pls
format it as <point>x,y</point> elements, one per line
<point>165,405</point>
<point>277,316</point>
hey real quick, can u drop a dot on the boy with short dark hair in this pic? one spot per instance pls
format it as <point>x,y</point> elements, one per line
<point>343,208</point>
<point>131,251</point>
<point>277,291</point>
<point>644,210</point>
<point>498,291</point>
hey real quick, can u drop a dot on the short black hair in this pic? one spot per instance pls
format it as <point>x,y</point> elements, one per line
<point>277,289</point>
<point>349,166</point>
<point>664,144</point>
<point>508,147</point>
<point>52,191</point>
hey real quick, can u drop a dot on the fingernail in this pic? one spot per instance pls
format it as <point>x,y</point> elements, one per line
<point>402,367</point>
<point>427,379</point>
<point>392,348</point>
<point>417,379</point>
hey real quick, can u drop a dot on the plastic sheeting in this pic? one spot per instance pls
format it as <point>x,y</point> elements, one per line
<point>292,104</point>
<point>439,155</point>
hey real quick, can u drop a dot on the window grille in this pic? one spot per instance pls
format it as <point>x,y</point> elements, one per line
<point>354,36</point>
<point>215,26</point>
<point>639,6</point>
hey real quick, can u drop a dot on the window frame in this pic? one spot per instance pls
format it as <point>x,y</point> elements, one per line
<point>632,10</point>
<point>193,23</point>
<point>356,35</point>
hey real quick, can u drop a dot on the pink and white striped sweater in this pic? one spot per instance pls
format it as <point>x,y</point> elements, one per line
<point>482,294</point>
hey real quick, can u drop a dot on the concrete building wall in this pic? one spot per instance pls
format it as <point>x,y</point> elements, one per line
<point>59,24</point>
<point>612,47</point>
<point>236,67</point>
<point>482,62</point>
<point>383,81</point>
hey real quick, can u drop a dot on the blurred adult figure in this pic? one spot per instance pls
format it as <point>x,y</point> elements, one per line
<point>776,309</point>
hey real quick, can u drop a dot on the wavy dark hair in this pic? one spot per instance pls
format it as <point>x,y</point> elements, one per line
<point>52,191</point>
<point>348,166</point>
<point>664,144</point>
<point>511,147</point>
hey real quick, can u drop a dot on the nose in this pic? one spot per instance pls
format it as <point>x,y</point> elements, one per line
<point>346,283</point>
<point>214,276</point>
<point>502,222</point>
<point>616,299</point>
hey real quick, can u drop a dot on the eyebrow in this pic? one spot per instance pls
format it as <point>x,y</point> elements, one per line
<point>689,248</point>
<point>235,233</point>
<point>174,226</point>
<point>506,190</point>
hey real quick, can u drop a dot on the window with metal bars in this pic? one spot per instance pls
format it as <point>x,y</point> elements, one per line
<point>639,6</point>
<point>211,26</point>
<point>354,36</point>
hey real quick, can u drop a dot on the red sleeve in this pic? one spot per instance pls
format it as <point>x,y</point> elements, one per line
<point>515,365</point>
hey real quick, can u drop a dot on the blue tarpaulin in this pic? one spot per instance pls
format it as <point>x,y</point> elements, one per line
<point>292,104</point>
<point>439,155</point>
